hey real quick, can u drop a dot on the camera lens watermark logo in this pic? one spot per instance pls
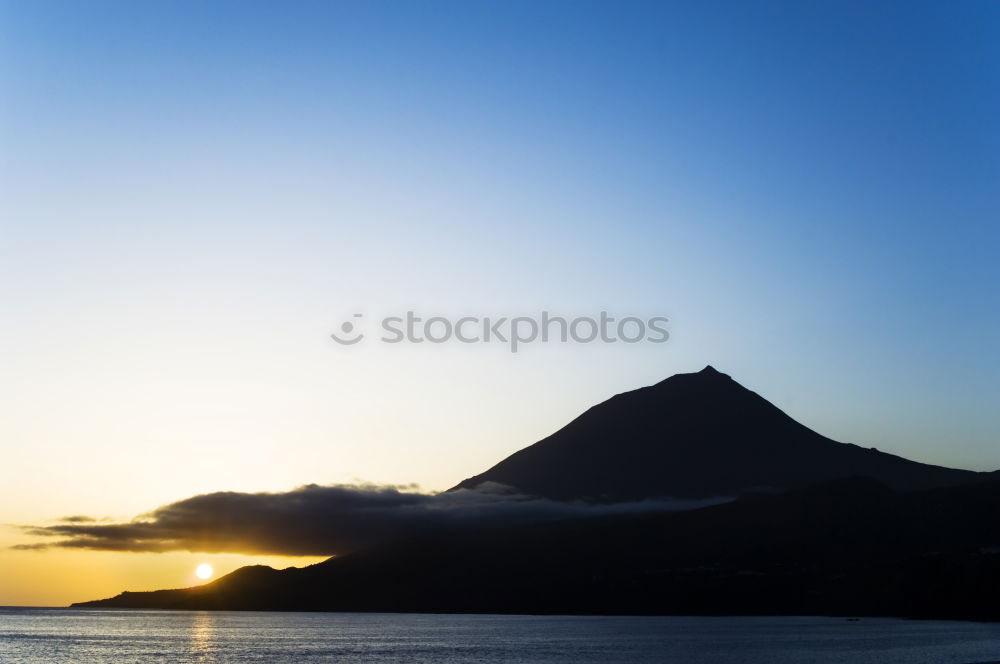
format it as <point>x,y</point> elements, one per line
<point>513,331</point>
<point>349,335</point>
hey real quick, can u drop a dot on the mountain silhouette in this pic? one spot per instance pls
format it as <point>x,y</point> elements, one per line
<point>847,547</point>
<point>695,435</point>
<point>818,527</point>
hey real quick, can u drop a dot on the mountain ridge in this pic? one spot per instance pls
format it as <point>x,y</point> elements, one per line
<point>694,435</point>
<point>836,530</point>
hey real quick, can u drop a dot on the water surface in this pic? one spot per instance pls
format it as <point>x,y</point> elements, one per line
<point>50,636</point>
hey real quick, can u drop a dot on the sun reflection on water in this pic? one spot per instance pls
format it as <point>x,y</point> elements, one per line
<point>203,637</point>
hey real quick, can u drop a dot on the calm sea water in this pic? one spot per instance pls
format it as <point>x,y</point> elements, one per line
<point>51,636</point>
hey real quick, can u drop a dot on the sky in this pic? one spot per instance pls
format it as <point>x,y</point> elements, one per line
<point>195,195</point>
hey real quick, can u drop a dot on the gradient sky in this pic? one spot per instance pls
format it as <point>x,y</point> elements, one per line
<point>194,195</point>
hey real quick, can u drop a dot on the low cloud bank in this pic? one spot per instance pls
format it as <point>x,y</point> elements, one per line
<point>321,520</point>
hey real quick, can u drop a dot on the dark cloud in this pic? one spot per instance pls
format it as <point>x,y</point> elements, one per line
<point>317,520</point>
<point>78,518</point>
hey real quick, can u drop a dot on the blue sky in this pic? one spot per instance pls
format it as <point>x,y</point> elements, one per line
<point>196,194</point>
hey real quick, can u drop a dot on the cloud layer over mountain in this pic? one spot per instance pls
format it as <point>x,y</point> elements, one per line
<point>319,520</point>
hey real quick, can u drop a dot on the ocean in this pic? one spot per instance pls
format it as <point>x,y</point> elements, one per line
<point>51,636</point>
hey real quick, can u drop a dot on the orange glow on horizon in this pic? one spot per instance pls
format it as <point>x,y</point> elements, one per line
<point>59,577</point>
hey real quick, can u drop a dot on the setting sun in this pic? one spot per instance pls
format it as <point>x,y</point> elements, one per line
<point>204,571</point>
